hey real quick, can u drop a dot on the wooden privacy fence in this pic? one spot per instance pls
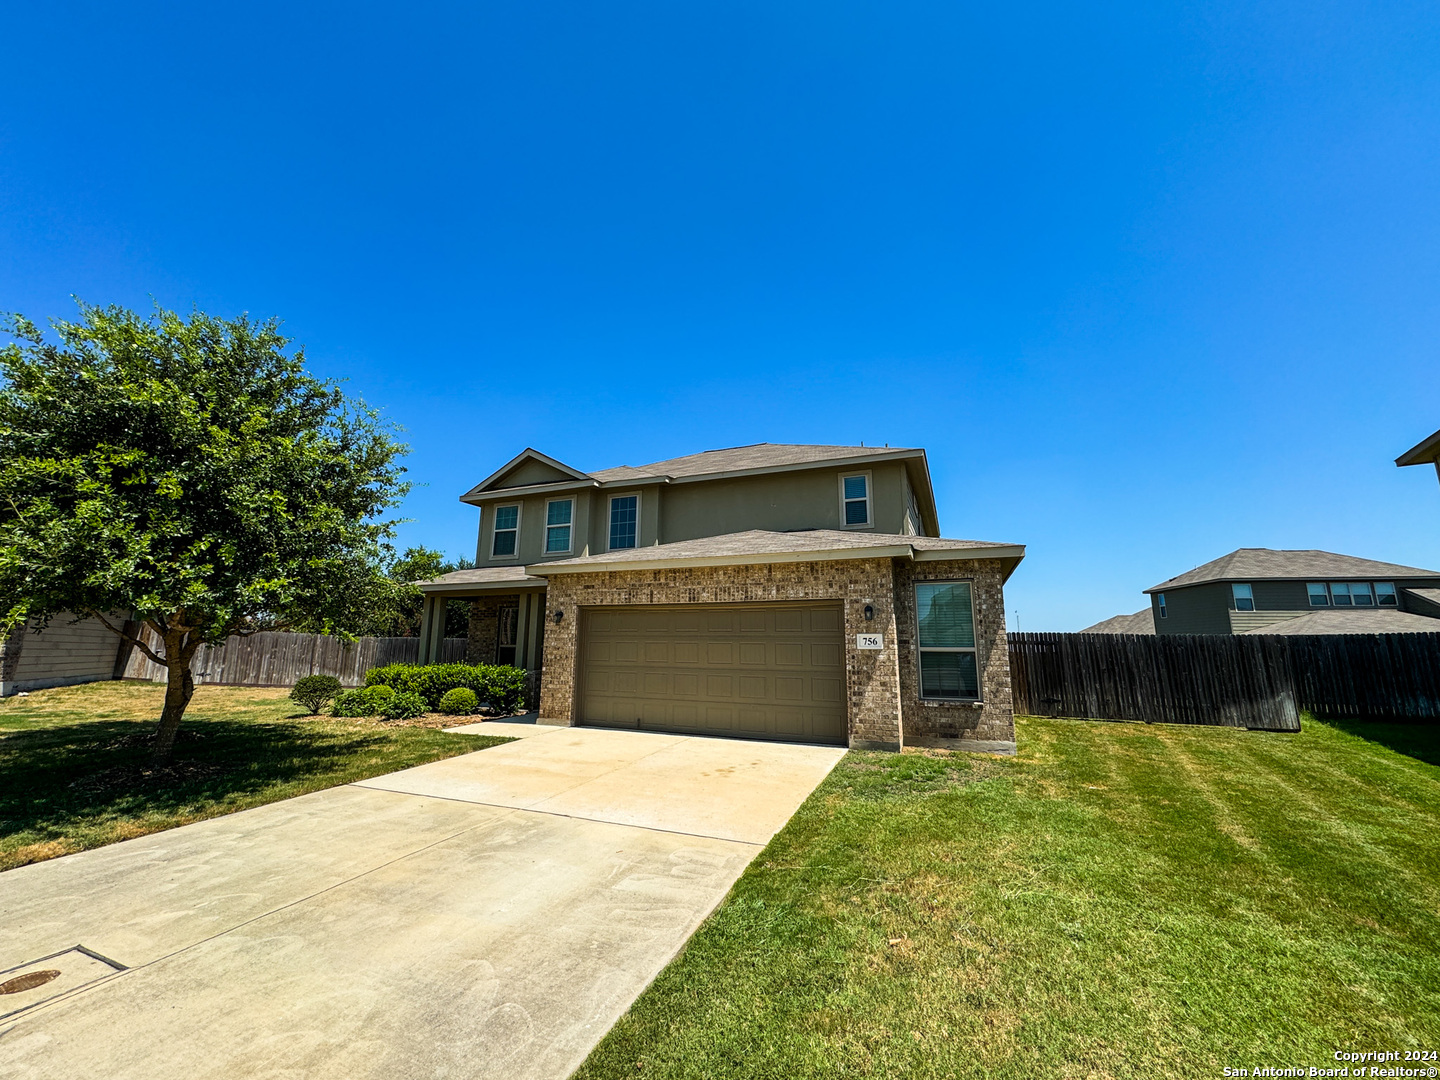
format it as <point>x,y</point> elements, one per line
<point>1249,680</point>
<point>278,659</point>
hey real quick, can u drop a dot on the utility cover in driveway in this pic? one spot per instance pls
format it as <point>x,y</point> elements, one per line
<point>756,671</point>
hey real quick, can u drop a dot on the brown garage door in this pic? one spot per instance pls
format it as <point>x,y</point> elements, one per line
<point>761,671</point>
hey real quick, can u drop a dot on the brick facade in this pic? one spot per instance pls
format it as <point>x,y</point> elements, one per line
<point>992,719</point>
<point>484,627</point>
<point>881,685</point>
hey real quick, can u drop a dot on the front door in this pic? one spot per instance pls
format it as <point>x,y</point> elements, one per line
<point>508,632</point>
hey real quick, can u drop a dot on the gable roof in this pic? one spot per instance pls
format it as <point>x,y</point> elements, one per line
<point>1142,622</point>
<point>1352,621</point>
<point>759,546</point>
<point>1252,564</point>
<point>529,454</point>
<point>1425,451</point>
<point>756,457</point>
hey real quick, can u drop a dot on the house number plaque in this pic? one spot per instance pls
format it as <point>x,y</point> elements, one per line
<point>869,641</point>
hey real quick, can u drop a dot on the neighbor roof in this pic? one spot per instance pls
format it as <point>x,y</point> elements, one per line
<point>745,458</point>
<point>1251,564</point>
<point>1142,622</point>
<point>759,546</point>
<point>1369,621</point>
<point>1426,451</point>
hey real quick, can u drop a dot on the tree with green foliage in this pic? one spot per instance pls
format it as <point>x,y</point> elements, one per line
<point>191,471</point>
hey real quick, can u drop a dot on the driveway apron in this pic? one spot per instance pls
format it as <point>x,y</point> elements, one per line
<point>489,915</point>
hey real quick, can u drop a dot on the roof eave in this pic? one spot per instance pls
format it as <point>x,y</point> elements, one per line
<point>531,453</point>
<point>1012,553</point>
<point>1424,453</point>
<point>475,496</point>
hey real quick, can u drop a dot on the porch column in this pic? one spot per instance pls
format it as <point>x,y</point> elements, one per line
<point>432,628</point>
<point>533,657</point>
<point>524,632</point>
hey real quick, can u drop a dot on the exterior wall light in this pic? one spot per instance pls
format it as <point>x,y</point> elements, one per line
<point>559,614</point>
<point>869,613</point>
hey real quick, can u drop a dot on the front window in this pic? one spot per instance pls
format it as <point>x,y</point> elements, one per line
<point>1385,594</point>
<point>624,521</point>
<point>855,499</point>
<point>946,623</point>
<point>507,532</point>
<point>1161,604</point>
<point>1244,598</point>
<point>1318,596</point>
<point>1360,594</point>
<point>557,525</point>
<point>1339,594</point>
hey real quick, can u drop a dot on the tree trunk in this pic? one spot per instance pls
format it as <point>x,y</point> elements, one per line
<point>179,689</point>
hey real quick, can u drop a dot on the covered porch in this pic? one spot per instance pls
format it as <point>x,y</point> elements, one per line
<point>507,616</point>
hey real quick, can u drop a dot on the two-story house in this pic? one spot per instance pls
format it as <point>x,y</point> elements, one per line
<point>768,591</point>
<point>1261,590</point>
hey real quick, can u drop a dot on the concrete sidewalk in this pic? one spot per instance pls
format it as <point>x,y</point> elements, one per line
<point>490,915</point>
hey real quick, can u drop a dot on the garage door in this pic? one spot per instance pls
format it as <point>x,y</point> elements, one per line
<point>762,671</point>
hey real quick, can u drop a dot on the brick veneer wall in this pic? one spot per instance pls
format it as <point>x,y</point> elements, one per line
<point>484,627</point>
<point>872,677</point>
<point>994,717</point>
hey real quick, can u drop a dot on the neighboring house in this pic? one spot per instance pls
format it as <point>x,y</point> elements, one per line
<point>767,591</point>
<point>63,654</point>
<point>1426,453</point>
<point>1255,589</point>
<point>1142,622</point>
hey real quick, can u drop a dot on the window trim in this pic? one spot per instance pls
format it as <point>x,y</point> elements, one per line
<point>1323,594</point>
<point>1235,596</point>
<point>610,517</point>
<point>1160,605</point>
<point>974,650</point>
<point>495,517</point>
<point>869,499</point>
<point>1394,595</point>
<point>570,547</point>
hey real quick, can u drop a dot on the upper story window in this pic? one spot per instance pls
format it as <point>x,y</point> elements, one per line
<point>1244,597</point>
<point>945,620</point>
<point>624,521</point>
<point>1160,604</point>
<point>558,515</point>
<point>855,500</point>
<point>1352,594</point>
<point>506,540</point>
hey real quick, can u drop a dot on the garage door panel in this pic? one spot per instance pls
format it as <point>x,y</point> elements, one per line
<point>764,670</point>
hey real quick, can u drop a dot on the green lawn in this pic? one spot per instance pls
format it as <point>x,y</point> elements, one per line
<point>73,761</point>
<point>1118,901</point>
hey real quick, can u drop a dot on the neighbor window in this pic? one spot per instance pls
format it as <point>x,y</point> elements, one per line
<point>557,525</point>
<point>1385,594</point>
<point>624,521</point>
<point>946,623</point>
<point>1318,596</point>
<point>1244,598</point>
<point>1160,601</point>
<point>507,531</point>
<point>855,499</point>
<point>1339,594</point>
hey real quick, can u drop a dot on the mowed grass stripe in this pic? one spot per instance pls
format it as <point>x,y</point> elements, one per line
<point>1117,901</point>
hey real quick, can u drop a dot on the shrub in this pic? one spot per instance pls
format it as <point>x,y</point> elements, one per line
<point>502,687</point>
<point>367,701</point>
<point>459,702</point>
<point>313,691</point>
<point>403,706</point>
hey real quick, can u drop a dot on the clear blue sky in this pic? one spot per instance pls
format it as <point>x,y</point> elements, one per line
<point>1150,282</point>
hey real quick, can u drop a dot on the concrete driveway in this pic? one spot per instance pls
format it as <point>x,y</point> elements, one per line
<point>490,915</point>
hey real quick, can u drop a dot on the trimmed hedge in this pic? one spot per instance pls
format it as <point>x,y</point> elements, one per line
<point>313,691</point>
<point>501,686</point>
<point>364,702</point>
<point>403,706</point>
<point>459,702</point>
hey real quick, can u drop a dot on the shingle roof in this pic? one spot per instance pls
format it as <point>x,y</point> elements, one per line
<point>1251,564</point>
<point>739,458</point>
<point>1433,595</point>
<point>1423,451</point>
<point>1142,622</point>
<point>1369,621</point>
<point>482,576</point>
<point>757,543</point>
